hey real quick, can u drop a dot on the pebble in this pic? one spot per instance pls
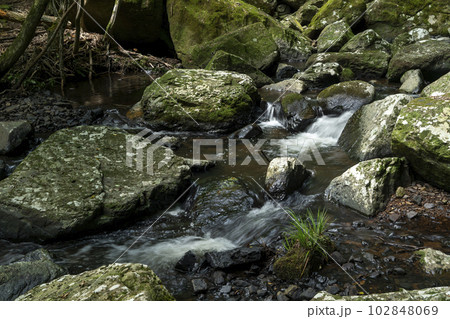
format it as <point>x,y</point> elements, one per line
<point>394,217</point>
<point>282,297</point>
<point>333,289</point>
<point>411,214</point>
<point>337,256</point>
<point>225,289</point>
<point>219,277</point>
<point>417,199</point>
<point>308,294</point>
<point>199,285</point>
<point>428,205</point>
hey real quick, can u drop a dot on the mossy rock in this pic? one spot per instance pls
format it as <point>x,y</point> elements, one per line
<point>334,36</point>
<point>335,10</point>
<point>389,18</point>
<point>79,181</point>
<point>116,282</point>
<point>253,43</point>
<point>320,74</point>
<point>438,88</point>
<point>363,64</point>
<point>367,186</point>
<point>432,57</point>
<point>433,261</point>
<point>268,6</point>
<point>408,38</point>
<point>422,135</point>
<point>428,294</point>
<point>366,40</point>
<point>223,61</point>
<point>347,75</point>
<point>200,100</point>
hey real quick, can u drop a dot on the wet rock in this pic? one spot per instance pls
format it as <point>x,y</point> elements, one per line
<point>224,61</point>
<point>2,170</point>
<point>12,135</point>
<point>367,134</point>
<point>348,266</point>
<point>114,282</point>
<point>337,256</point>
<point>433,261</point>
<point>219,277</point>
<point>289,86</point>
<point>333,289</point>
<point>308,294</point>
<point>429,294</point>
<point>373,63</point>
<point>438,88</point>
<point>186,263</point>
<point>234,258</point>
<point>34,269</point>
<point>284,176</point>
<point>199,285</point>
<point>285,71</point>
<point>367,186</point>
<point>320,74</point>
<point>366,41</point>
<point>200,100</point>
<point>421,134</point>
<point>225,289</point>
<point>199,165</point>
<point>91,185</point>
<point>249,131</point>
<point>298,112</point>
<point>334,36</point>
<point>412,82</point>
<point>432,57</point>
<point>346,96</point>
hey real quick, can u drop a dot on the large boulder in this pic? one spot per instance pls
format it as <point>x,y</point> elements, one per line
<point>408,38</point>
<point>334,10</point>
<point>268,6</point>
<point>79,180</point>
<point>298,112</point>
<point>367,134</point>
<point>366,41</point>
<point>363,64</point>
<point>34,269</point>
<point>116,282</point>
<point>253,43</point>
<point>134,20</point>
<point>390,18</point>
<point>422,135</point>
<point>433,261</point>
<point>288,86</point>
<point>432,57</point>
<point>320,74</point>
<point>428,294</point>
<point>12,135</point>
<point>305,13</point>
<point>412,82</point>
<point>367,186</point>
<point>284,176</point>
<point>439,87</point>
<point>223,61</point>
<point>200,100</point>
<point>346,96</point>
<point>334,36</point>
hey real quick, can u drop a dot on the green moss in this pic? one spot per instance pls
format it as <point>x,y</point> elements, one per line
<point>347,75</point>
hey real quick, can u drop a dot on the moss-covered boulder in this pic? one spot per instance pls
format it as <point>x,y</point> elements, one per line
<point>200,100</point>
<point>78,180</point>
<point>433,261</point>
<point>422,135</point>
<point>298,112</point>
<point>366,41</point>
<point>297,263</point>
<point>389,18</point>
<point>305,13</point>
<point>284,176</point>
<point>346,96</point>
<point>428,294</point>
<point>363,64</point>
<point>367,134</point>
<point>335,10</point>
<point>320,74</point>
<point>408,38</point>
<point>116,282</point>
<point>268,6</point>
<point>223,61</point>
<point>252,43</point>
<point>134,20</point>
<point>439,87</point>
<point>35,268</point>
<point>367,186</point>
<point>292,44</point>
<point>334,36</point>
<point>432,57</point>
<point>288,86</point>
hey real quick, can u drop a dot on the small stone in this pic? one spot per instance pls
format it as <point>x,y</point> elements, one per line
<point>199,285</point>
<point>400,192</point>
<point>308,294</point>
<point>252,289</point>
<point>219,277</point>
<point>429,205</point>
<point>337,256</point>
<point>290,291</point>
<point>225,289</point>
<point>333,289</point>
<point>394,217</point>
<point>241,283</point>
<point>411,214</point>
<point>261,292</point>
<point>417,199</point>
<point>186,263</point>
<point>399,271</point>
<point>348,266</point>
<point>282,297</point>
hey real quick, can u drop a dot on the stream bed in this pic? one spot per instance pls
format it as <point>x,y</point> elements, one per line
<point>379,252</point>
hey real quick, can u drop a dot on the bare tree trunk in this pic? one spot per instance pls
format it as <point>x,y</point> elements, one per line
<point>112,20</point>
<point>76,44</point>
<point>26,34</point>
<point>20,17</point>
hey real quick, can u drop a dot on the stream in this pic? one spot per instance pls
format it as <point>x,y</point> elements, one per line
<point>377,250</point>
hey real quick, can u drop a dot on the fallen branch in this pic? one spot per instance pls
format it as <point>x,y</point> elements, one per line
<point>20,17</point>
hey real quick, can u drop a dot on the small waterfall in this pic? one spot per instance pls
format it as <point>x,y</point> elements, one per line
<point>272,116</point>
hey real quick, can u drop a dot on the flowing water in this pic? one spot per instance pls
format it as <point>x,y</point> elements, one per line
<point>162,244</point>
